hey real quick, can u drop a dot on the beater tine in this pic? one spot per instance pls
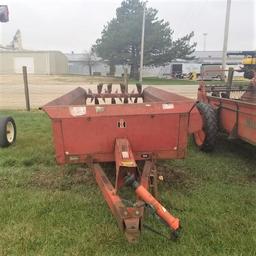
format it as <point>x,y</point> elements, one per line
<point>139,87</point>
<point>99,88</point>
<point>113,101</point>
<point>85,97</point>
<point>109,88</point>
<point>97,101</point>
<point>132,92</point>
<point>122,87</point>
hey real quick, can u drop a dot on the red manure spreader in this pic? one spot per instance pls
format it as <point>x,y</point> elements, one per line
<point>235,107</point>
<point>145,126</point>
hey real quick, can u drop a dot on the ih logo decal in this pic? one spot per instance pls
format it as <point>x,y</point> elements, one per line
<point>121,124</point>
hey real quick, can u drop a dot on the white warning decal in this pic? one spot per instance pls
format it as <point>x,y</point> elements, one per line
<point>167,106</point>
<point>77,111</point>
<point>164,210</point>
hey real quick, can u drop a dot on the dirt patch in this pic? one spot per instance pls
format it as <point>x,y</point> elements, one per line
<point>176,177</point>
<point>61,179</point>
<point>242,179</point>
<point>252,178</point>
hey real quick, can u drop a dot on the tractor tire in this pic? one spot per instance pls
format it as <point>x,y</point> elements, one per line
<point>7,131</point>
<point>249,74</point>
<point>210,127</point>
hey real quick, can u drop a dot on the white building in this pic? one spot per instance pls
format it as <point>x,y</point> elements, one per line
<point>79,64</point>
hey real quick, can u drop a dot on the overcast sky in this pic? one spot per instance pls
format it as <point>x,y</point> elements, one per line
<point>75,25</point>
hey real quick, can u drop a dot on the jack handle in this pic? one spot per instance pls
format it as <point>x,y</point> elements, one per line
<point>144,194</point>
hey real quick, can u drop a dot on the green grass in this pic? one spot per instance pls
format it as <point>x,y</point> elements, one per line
<point>164,81</point>
<point>50,210</point>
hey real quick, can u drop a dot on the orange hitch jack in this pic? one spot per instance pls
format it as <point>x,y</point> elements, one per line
<point>172,222</point>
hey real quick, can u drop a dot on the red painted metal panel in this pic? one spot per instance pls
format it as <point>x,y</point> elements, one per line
<point>195,121</point>
<point>247,123</point>
<point>71,111</point>
<point>236,113</point>
<point>228,116</point>
<point>97,135</point>
<point>152,94</point>
<point>58,141</point>
<point>182,136</point>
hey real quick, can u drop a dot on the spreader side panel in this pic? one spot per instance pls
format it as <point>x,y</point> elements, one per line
<point>163,135</point>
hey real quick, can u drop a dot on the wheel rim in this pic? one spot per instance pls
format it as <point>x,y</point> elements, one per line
<point>10,132</point>
<point>199,137</point>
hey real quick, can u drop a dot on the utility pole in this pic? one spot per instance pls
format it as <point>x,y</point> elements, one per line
<point>205,35</point>
<point>225,42</point>
<point>142,44</point>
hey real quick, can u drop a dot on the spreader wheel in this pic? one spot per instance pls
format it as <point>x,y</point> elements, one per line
<point>7,131</point>
<point>206,138</point>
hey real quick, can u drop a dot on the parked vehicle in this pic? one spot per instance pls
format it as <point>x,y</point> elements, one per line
<point>7,131</point>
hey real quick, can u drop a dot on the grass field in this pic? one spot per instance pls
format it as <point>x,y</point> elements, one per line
<point>163,81</point>
<point>50,210</point>
<point>16,79</point>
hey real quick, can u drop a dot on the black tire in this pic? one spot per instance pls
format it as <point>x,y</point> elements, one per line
<point>249,74</point>
<point>7,131</point>
<point>210,126</point>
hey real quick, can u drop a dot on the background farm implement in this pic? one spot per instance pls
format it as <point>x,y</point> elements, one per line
<point>235,107</point>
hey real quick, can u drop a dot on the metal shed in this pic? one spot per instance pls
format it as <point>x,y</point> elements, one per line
<point>37,62</point>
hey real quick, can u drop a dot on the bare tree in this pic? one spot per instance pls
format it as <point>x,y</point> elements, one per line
<point>90,60</point>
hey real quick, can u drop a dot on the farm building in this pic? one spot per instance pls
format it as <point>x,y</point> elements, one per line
<point>37,62</point>
<point>84,64</point>
<point>79,64</point>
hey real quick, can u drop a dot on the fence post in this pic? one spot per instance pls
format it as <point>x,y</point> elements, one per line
<point>230,79</point>
<point>25,80</point>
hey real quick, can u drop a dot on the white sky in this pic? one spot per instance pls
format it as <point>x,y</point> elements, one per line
<point>68,25</point>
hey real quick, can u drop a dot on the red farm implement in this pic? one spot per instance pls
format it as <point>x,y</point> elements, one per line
<point>156,128</point>
<point>235,106</point>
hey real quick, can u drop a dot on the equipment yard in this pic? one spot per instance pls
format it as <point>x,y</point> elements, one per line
<point>49,210</point>
<point>127,128</point>
<point>58,210</point>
